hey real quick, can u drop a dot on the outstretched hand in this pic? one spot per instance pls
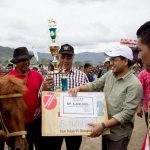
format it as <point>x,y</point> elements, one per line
<point>73,91</point>
<point>97,130</point>
<point>37,113</point>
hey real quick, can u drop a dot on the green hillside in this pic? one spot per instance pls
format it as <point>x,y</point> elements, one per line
<point>5,54</point>
<point>44,58</point>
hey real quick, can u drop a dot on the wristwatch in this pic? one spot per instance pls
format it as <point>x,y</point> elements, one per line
<point>104,126</point>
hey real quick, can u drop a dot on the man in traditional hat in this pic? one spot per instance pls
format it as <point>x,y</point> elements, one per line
<point>33,80</point>
<point>123,93</point>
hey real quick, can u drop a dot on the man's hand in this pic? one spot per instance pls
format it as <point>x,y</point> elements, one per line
<point>49,83</point>
<point>97,130</point>
<point>3,135</point>
<point>73,91</point>
<point>139,111</point>
<point>37,112</point>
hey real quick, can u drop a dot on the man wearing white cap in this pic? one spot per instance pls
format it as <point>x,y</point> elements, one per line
<point>107,64</point>
<point>123,93</point>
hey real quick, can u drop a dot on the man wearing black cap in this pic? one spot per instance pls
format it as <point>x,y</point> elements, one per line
<point>75,78</point>
<point>33,80</point>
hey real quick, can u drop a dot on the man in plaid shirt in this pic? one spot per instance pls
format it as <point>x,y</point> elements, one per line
<point>75,78</point>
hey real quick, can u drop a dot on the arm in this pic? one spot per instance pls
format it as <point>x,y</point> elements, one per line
<point>133,97</point>
<point>96,85</point>
<point>132,100</point>
<point>98,129</point>
<point>82,88</point>
<point>47,83</point>
<point>139,110</point>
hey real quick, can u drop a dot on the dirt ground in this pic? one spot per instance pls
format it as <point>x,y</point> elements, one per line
<point>135,142</point>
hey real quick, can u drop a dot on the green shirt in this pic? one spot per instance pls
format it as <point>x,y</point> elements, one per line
<point>122,98</point>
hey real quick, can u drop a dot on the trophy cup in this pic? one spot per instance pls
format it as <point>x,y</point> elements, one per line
<point>53,48</point>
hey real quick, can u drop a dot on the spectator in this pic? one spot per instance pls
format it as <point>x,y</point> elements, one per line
<point>143,44</point>
<point>35,68</point>
<point>9,68</point>
<point>107,64</point>
<point>81,68</point>
<point>136,68</point>
<point>144,77</point>
<point>88,71</point>
<point>41,69</point>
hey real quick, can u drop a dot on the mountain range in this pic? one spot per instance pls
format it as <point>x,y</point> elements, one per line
<point>6,54</point>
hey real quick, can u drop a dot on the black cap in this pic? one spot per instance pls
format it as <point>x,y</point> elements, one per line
<point>66,49</point>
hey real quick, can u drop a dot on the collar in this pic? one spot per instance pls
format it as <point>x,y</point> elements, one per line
<point>124,76</point>
<point>72,70</point>
<point>18,74</point>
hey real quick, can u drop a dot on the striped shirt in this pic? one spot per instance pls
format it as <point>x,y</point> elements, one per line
<point>75,78</point>
<point>144,77</point>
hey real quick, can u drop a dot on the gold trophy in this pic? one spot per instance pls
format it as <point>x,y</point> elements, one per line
<point>54,48</point>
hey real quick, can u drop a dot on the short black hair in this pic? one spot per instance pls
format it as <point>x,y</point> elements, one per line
<point>40,65</point>
<point>144,33</point>
<point>10,65</point>
<point>80,67</point>
<point>86,65</point>
<point>35,68</point>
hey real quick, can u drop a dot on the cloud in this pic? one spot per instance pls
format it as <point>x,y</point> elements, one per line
<point>89,25</point>
<point>81,1</point>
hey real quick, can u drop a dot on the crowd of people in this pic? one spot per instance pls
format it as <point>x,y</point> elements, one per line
<point>126,88</point>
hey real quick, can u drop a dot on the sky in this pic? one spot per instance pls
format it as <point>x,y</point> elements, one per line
<point>87,25</point>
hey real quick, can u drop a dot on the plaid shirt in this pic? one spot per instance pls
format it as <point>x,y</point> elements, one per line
<point>144,77</point>
<point>75,78</point>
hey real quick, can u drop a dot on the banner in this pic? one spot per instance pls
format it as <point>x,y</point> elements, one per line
<point>64,115</point>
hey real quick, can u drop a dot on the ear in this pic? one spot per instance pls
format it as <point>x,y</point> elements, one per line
<point>126,62</point>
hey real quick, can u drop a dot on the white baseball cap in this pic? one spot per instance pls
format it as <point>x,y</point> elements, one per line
<point>106,60</point>
<point>120,50</point>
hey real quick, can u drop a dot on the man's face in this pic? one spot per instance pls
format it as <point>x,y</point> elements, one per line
<point>89,69</point>
<point>107,64</point>
<point>9,68</point>
<point>66,61</point>
<point>42,68</point>
<point>144,54</point>
<point>118,65</point>
<point>23,65</point>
